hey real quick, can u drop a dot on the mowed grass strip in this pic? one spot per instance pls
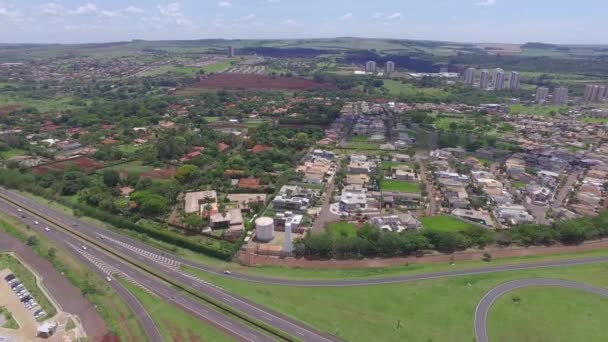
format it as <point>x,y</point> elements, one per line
<point>173,323</point>
<point>343,229</point>
<point>427,310</point>
<point>401,186</point>
<point>548,314</point>
<point>444,223</point>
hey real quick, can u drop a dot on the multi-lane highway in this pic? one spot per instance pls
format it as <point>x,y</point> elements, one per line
<point>168,266</point>
<point>483,307</point>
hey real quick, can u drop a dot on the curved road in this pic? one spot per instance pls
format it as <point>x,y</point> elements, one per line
<point>483,307</point>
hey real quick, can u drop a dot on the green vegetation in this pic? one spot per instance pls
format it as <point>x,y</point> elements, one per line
<point>397,88</point>
<point>538,110</point>
<point>29,281</point>
<point>600,121</point>
<point>343,229</point>
<point>401,186</point>
<point>379,312</point>
<point>117,315</point>
<point>219,67</point>
<point>387,165</point>
<point>444,223</point>
<point>9,320</point>
<point>70,324</point>
<point>173,323</point>
<point>518,185</point>
<point>548,314</point>
<point>43,105</point>
<point>12,153</point>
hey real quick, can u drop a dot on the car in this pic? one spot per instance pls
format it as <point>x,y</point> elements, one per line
<point>19,209</point>
<point>9,277</point>
<point>84,248</point>
<point>36,222</point>
<point>18,288</point>
<point>26,298</point>
<point>108,279</point>
<point>12,281</point>
<point>40,314</point>
<point>226,272</point>
<point>15,284</point>
<point>37,312</point>
<point>47,229</point>
<point>75,224</point>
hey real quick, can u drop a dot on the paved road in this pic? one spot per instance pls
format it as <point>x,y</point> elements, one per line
<point>565,189</point>
<point>169,266</point>
<point>483,307</point>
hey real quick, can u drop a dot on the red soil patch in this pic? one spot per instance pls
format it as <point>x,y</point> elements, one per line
<point>160,173</point>
<point>9,109</point>
<point>80,162</point>
<point>241,81</point>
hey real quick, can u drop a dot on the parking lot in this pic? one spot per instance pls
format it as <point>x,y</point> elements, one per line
<point>23,316</point>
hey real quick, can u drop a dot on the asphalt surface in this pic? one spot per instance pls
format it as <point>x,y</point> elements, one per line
<point>157,260</point>
<point>483,307</point>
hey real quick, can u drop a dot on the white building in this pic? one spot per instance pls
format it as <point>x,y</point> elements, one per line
<point>389,67</point>
<point>469,76</point>
<point>484,79</point>
<point>541,94</point>
<point>560,95</point>
<point>499,79</point>
<point>514,80</point>
<point>350,201</point>
<point>370,67</point>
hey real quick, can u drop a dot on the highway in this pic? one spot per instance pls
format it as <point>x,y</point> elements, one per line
<point>169,267</point>
<point>483,307</point>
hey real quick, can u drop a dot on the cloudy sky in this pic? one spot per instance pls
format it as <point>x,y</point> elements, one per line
<point>511,21</point>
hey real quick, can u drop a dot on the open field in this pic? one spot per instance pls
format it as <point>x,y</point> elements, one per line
<point>12,153</point>
<point>443,307</point>
<point>395,185</point>
<point>218,67</point>
<point>344,229</point>
<point>173,323</point>
<point>44,105</point>
<point>548,314</point>
<point>444,223</point>
<point>84,163</point>
<point>397,88</point>
<point>362,146</point>
<point>143,170</point>
<point>387,165</point>
<point>240,81</point>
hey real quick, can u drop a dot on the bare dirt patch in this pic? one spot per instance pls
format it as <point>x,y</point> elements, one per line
<point>7,109</point>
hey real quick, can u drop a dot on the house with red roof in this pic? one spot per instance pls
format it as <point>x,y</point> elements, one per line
<point>260,148</point>
<point>248,183</point>
<point>222,147</point>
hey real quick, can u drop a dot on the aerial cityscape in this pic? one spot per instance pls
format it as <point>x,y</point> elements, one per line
<point>173,175</point>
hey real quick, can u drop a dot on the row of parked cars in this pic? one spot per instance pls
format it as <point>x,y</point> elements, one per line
<point>24,296</point>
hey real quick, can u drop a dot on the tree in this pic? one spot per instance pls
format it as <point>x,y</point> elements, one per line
<point>186,173</point>
<point>150,203</point>
<point>111,178</point>
<point>52,253</point>
<point>194,222</point>
<point>32,240</point>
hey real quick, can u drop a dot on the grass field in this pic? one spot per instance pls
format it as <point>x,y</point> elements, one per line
<point>129,148</point>
<point>344,229</point>
<point>112,309</point>
<point>395,185</point>
<point>444,223</point>
<point>173,323</point>
<point>537,110</point>
<point>386,165</point>
<point>548,314</point>
<point>601,121</point>
<point>397,88</point>
<point>358,139</point>
<point>29,281</point>
<point>44,105</point>
<point>428,310</point>
<point>134,166</point>
<point>9,320</point>
<point>12,153</point>
<point>212,118</point>
<point>219,67</point>
<point>363,146</point>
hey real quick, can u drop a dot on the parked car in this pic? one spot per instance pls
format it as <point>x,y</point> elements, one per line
<point>9,277</point>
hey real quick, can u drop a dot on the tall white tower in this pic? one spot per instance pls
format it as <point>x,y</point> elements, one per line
<point>288,246</point>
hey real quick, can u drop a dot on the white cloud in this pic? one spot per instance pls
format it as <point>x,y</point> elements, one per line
<point>291,22</point>
<point>172,13</point>
<point>249,16</point>
<point>224,4</point>
<point>53,8</point>
<point>377,15</point>
<point>88,8</point>
<point>394,16</point>
<point>273,1</point>
<point>133,9</point>
<point>347,16</point>
<point>486,3</point>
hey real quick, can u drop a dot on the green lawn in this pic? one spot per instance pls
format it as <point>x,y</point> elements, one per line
<point>219,67</point>
<point>444,223</point>
<point>173,323</point>
<point>537,110</point>
<point>397,88</point>
<point>363,146</point>
<point>29,281</point>
<point>357,139</point>
<point>395,185</point>
<point>601,121</point>
<point>57,103</point>
<point>9,320</point>
<point>428,310</point>
<point>12,153</point>
<point>212,118</point>
<point>134,166</point>
<point>518,185</point>
<point>129,148</point>
<point>387,165</point>
<point>548,314</point>
<point>344,229</point>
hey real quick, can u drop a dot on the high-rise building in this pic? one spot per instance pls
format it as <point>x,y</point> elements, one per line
<point>484,79</point>
<point>602,93</point>
<point>370,66</point>
<point>514,80</point>
<point>560,95</point>
<point>541,94</point>
<point>389,68</point>
<point>499,79</point>
<point>231,51</point>
<point>469,76</point>
<point>595,93</point>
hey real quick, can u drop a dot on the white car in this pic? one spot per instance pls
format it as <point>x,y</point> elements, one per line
<point>226,272</point>
<point>47,229</point>
<point>36,222</point>
<point>84,248</point>
<point>19,210</point>
<point>108,279</point>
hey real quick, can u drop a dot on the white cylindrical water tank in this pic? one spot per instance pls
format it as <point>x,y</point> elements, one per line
<point>264,229</point>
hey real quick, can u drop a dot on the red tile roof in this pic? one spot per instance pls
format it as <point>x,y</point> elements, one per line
<point>250,183</point>
<point>222,147</point>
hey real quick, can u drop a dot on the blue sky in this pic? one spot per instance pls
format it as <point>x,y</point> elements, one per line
<point>509,21</point>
